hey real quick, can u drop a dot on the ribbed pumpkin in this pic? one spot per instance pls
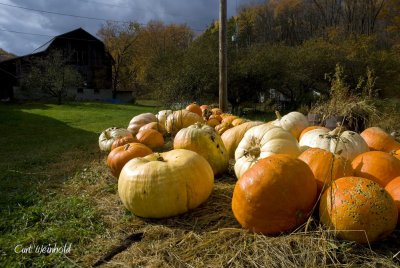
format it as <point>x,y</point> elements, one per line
<point>233,136</point>
<point>378,140</point>
<point>216,116</point>
<point>205,141</point>
<point>358,210</point>
<point>140,120</point>
<point>393,188</point>
<point>150,137</point>
<point>312,128</point>
<point>221,128</point>
<point>162,117</point>
<point>378,166</point>
<point>275,195</point>
<point>118,157</point>
<point>326,166</point>
<point>195,108</point>
<point>294,122</point>
<point>347,144</point>
<point>153,125</point>
<point>108,136</point>
<point>165,184</point>
<point>122,141</point>
<point>181,119</point>
<point>238,121</point>
<point>212,122</point>
<point>229,119</point>
<point>262,141</point>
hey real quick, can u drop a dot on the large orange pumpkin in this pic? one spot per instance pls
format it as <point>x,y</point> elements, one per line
<point>378,140</point>
<point>358,210</point>
<point>118,157</point>
<point>393,188</point>
<point>150,137</point>
<point>122,141</point>
<point>378,166</point>
<point>326,166</point>
<point>194,108</point>
<point>275,195</point>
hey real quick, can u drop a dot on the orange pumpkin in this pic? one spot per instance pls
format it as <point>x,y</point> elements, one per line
<point>216,111</point>
<point>393,188</point>
<point>118,157</point>
<point>228,119</point>
<point>212,122</point>
<point>221,128</point>
<point>153,125</point>
<point>326,166</point>
<point>275,195</point>
<point>204,107</point>
<point>150,137</point>
<point>216,116</point>
<point>378,166</point>
<point>311,128</point>
<point>238,121</point>
<point>358,210</point>
<point>378,140</point>
<point>396,154</point>
<point>122,141</point>
<point>194,108</point>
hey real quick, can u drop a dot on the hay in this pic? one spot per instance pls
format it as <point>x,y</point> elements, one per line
<point>209,236</point>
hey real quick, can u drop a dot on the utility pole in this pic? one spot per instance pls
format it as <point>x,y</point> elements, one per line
<point>223,93</point>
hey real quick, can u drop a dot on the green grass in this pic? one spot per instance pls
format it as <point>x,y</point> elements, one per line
<point>43,148</point>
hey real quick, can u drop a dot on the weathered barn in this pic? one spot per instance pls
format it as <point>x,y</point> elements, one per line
<point>85,52</point>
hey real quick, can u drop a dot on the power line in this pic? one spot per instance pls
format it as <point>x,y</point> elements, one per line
<point>18,32</point>
<point>61,14</point>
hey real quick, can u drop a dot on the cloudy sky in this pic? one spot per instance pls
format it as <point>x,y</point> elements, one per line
<point>23,28</point>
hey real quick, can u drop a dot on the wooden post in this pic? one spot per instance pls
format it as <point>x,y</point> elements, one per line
<point>223,94</point>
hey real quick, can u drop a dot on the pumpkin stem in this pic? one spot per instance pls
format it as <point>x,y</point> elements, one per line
<point>159,157</point>
<point>254,152</point>
<point>278,115</point>
<point>126,147</point>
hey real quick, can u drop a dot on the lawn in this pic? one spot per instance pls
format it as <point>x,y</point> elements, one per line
<point>56,190</point>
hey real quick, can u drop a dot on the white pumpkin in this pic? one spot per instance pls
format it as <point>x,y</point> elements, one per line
<point>347,144</point>
<point>162,117</point>
<point>181,119</point>
<point>140,120</point>
<point>108,136</point>
<point>262,141</point>
<point>295,122</point>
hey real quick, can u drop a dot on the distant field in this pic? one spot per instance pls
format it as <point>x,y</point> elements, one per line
<point>55,189</point>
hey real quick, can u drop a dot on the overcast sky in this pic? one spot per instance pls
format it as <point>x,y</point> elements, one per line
<point>198,14</point>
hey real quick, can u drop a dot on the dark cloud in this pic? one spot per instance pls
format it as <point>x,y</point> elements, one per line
<point>197,14</point>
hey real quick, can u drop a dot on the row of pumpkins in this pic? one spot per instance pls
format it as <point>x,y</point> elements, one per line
<point>285,168</point>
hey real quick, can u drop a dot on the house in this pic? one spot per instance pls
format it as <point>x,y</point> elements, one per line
<point>85,52</point>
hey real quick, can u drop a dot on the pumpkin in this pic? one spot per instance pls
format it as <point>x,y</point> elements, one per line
<point>181,119</point>
<point>118,157</point>
<point>228,119</point>
<point>165,184</point>
<point>122,141</point>
<point>216,111</point>
<point>378,166</point>
<point>262,141</point>
<point>204,107</point>
<point>326,166</point>
<point>213,122</point>
<point>206,114</point>
<point>396,154</point>
<point>358,210</point>
<point>150,137</point>
<point>393,188</point>
<point>140,120</point>
<point>347,144</point>
<point>312,128</point>
<point>162,118</point>
<point>233,136</point>
<point>275,195</point>
<point>294,122</point>
<point>204,140</point>
<point>153,125</point>
<point>221,128</point>
<point>216,116</point>
<point>108,136</point>
<point>194,108</point>
<point>378,140</point>
<point>238,121</point>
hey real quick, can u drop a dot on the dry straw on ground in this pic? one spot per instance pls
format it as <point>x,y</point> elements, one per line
<point>209,236</point>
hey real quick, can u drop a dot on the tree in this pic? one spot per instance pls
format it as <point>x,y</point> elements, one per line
<point>52,75</point>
